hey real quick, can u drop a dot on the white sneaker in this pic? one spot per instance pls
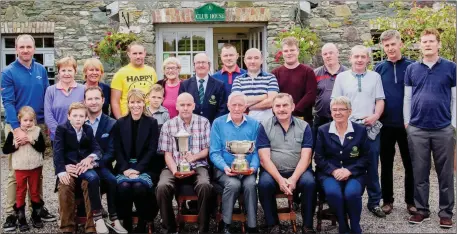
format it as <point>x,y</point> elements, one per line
<point>117,227</point>
<point>101,227</point>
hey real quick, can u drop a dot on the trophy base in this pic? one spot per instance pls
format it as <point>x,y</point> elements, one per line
<point>245,172</point>
<point>185,172</point>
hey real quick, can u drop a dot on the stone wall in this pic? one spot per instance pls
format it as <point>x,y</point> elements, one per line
<point>345,23</point>
<point>75,23</point>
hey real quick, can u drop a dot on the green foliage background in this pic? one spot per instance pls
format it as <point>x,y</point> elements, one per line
<point>411,21</point>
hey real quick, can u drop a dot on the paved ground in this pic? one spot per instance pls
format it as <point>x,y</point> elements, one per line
<point>394,223</point>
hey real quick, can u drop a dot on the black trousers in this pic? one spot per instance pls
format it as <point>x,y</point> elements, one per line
<point>390,136</point>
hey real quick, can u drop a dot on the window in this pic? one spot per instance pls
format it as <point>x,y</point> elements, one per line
<point>44,52</point>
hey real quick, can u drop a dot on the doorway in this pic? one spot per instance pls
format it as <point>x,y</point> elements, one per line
<point>184,41</point>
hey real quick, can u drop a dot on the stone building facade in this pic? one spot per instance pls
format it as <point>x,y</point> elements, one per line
<point>72,25</point>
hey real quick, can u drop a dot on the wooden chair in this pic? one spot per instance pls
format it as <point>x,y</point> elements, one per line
<point>185,192</point>
<point>287,213</point>
<point>323,214</point>
<point>238,214</point>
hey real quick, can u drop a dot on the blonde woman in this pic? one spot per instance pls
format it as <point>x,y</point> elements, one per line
<point>93,74</point>
<point>170,83</point>
<point>135,146</point>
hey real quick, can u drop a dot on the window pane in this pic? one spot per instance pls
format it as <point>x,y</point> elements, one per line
<point>169,41</point>
<point>245,46</point>
<point>9,58</point>
<point>184,41</point>
<point>198,41</point>
<point>49,42</point>
<point>39,42</point>
<point>237,45</point>
<point>38,57</point>
<point>9,42</point>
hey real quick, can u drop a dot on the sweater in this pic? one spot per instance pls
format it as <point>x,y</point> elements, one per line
<point>22,86</point>
<point>56,106</point>
<point>28,156</point>
<point>301,84</point>
<point>392,77</point>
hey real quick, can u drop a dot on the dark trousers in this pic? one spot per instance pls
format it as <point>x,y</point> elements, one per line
<point>439,143</point>
<point>108,182</point>
<point>373,185</point>
<point>345,197</point>
<point>165,192</point>
<point>390,136</point>
<point>140,194</point>
<point>94,189</point>
<point>268,188</point>
<point>317,122</point>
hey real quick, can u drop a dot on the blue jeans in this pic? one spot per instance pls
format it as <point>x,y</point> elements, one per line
<point>373,186</point>
<point>93,188</point>
<point>268,188</point>
<point>108,181</point>
<point>345,197</point>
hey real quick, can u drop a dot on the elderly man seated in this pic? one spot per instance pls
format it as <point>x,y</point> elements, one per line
<point>342,157</point>
<point>235,126</point>
<point>284,144</point>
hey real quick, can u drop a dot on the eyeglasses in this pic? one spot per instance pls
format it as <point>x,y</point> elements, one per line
<point>340,110</point>
<point>171,68</point>
<point>201,63</point>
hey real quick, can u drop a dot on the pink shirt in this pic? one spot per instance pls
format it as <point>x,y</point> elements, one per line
<point>169,101</point>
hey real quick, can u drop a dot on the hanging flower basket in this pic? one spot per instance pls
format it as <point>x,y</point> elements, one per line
<point>112,48</point>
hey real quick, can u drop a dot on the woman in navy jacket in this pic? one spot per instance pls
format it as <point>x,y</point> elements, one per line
<point>341,157</point>
<point>137,164</point>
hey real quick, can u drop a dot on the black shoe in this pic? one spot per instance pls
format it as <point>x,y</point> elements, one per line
<point>307,230</point>
<point>36,218</point>
<point>20,213</point>
<point>252,230</point>
<point>45,215</point>
<point>378,212</point>
<point>225,228</point>
<point>274,229</point>
<point>10,223</point>
<point>140,227</point>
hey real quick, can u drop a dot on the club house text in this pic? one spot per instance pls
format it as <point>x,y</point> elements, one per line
<point>209,16</point>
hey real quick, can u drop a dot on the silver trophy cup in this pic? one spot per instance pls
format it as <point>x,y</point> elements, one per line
<point>240,149</point>
<point>182,142</point>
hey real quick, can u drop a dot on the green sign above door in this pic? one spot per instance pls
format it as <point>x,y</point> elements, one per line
<point>209,12</point>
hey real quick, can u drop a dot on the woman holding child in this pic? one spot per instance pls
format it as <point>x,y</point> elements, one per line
<point>137,164</point>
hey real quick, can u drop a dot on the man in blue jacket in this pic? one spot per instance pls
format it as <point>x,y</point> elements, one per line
<point>392,71</point>
<point>208,93</point>
<point>235,126</point>
<point>24,83</point>
<point>230,70</point>
<point>102,125</point>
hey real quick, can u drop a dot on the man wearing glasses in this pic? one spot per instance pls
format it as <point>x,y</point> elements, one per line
<point>364,89</point>
<point>209,93</point>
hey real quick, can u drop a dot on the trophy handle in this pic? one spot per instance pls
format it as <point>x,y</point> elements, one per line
<point>252,147</point>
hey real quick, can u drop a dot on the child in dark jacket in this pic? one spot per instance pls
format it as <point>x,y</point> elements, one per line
<point>75,153</point>
<point>27,162</point>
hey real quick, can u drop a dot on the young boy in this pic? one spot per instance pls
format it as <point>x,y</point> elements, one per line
<point>155,108</point>
<point>75,151</point>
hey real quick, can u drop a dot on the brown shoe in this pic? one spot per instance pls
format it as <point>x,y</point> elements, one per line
<point>387,207</point>
<point>411,209</point>
<point>445,222</point>
<point>418,218</point>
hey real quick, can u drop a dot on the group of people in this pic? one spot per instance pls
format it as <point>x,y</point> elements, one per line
<point>120,139</point>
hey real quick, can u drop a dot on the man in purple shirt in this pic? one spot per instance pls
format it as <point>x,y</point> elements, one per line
<point>24,83</point>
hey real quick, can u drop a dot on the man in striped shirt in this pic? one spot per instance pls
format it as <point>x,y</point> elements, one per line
<point>260,87</point>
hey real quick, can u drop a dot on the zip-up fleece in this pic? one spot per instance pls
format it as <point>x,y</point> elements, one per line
<point>392,77</point>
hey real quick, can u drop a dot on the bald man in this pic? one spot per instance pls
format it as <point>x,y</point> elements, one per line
<point>325,77</point>
<point>208,92</point>
<point>259,86</point>
<point>199,127</point>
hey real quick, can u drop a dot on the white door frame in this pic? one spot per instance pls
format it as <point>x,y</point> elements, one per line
<point>209,43</point>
